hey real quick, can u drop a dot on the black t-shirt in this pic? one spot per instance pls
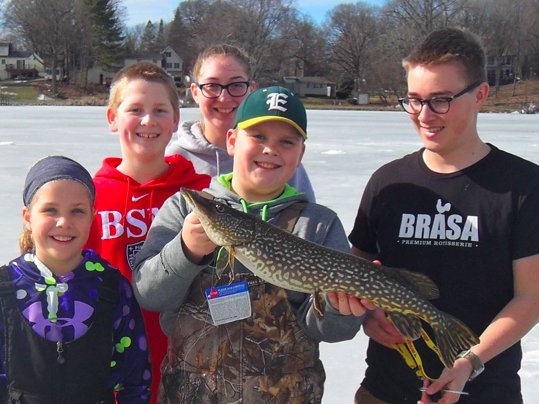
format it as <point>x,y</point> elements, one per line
<point>463,230</point>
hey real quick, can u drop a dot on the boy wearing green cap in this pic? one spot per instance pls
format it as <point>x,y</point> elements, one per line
<point>241,339</point>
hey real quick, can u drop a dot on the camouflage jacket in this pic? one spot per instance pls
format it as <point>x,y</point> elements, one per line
<point>266,358</point>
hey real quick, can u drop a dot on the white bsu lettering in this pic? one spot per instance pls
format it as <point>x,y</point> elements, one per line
<point>112,227</point>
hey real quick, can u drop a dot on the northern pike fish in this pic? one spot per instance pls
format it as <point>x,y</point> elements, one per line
<point>293,263</point>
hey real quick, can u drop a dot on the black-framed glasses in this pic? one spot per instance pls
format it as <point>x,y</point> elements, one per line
<point>438,105</point>
<point>214,90</point>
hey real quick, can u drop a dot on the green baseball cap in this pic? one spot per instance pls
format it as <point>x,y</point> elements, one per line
<point>272,103</point>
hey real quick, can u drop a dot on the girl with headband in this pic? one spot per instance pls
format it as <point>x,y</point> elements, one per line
<point>70,329</point>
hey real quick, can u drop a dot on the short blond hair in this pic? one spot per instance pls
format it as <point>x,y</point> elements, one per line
<point>142,71</point>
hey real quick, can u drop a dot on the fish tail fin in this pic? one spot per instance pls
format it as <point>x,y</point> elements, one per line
<point>452,337</point>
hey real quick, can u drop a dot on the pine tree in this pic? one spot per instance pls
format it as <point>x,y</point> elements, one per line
<point>148,40</point>
<point>107,32</point>
<point>160,40</point>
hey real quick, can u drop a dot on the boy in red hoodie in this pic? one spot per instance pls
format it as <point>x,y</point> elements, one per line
<point>144,110</point>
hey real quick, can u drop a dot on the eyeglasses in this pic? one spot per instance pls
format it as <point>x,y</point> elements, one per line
<point>214,90</point>
<point>438,105</point>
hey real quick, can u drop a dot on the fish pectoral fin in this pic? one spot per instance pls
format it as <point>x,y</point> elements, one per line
<point>231,254</point>
<point>319,303</point>
<point>408,325</point>
<point>223,259</point>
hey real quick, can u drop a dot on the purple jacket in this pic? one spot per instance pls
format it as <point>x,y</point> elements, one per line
<point>62,309</point>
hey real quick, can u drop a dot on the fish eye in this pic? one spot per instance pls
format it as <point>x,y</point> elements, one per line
<point>219,208</point>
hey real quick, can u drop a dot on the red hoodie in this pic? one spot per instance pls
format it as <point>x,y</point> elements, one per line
<point>124,212</point>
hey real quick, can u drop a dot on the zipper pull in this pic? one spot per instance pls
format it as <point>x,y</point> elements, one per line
<point>60,349</point>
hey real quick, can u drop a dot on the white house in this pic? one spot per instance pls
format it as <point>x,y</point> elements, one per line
<point>173,64</point>
<point>103,75</point>
<point>168,59</point>
<point>14,63</point>
<point>310,86</point>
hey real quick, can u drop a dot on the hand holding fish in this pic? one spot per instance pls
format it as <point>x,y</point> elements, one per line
<point>376,326</point>
<point>195,242</point>
<point>349,304</point>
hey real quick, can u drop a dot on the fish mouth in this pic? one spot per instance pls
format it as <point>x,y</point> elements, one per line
<point>195,200</point>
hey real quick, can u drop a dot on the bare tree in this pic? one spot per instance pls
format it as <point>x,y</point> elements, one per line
<point>198,24</point>
<point>47,27</point>
<point>310,47</point>
<point>133,37</point>
<point>257,24</point>
<point>424,16</point>
<point>496,22</point>
<point>351,30</point>
<point>530,64</point>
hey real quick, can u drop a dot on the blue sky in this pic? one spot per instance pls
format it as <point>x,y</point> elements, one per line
<point>140,11</point>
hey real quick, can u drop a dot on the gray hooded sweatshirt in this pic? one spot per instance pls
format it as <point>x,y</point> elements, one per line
<point>214,161</point>
<point>163,274</point>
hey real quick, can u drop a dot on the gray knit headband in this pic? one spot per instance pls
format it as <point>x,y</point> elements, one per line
<point>55,168</point>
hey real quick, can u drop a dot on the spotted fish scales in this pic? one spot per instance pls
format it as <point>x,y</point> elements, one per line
<point>296,264</point>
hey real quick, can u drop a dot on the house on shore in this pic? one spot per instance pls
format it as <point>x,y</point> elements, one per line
<point>15,64</point>
<point>310,86</point>
<point>168,60</point>
<point>504,66</point>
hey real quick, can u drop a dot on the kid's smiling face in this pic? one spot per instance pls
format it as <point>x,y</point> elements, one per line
<point>266,156</point>
<point>145,120</point>
<point>60,217</point>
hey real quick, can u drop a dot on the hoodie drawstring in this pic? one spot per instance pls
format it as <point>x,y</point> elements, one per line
<point>124,216</point>
<point>246,209</point>
<point>217,165</point>
<point>150,212</point>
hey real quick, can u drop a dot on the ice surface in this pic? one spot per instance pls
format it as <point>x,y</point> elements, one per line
<point>343,149</point>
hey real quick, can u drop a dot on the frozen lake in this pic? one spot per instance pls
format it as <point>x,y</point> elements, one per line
<point>343,149</point>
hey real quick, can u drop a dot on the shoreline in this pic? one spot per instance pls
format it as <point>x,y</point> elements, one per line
<point>395,108</point>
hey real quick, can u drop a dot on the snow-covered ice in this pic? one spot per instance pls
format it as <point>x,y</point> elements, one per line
<point>343,149</point>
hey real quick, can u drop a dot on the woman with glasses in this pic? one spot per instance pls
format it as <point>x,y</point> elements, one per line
<point>222,80</point>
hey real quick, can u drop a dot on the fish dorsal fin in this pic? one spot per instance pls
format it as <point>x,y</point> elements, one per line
<point>418,282</point>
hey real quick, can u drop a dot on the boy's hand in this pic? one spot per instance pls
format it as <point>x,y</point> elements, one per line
<point>195,242</point>
<point>377,326</point>
<point>348,304</point>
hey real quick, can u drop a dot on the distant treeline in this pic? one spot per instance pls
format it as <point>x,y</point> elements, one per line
<point>358,46</point>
